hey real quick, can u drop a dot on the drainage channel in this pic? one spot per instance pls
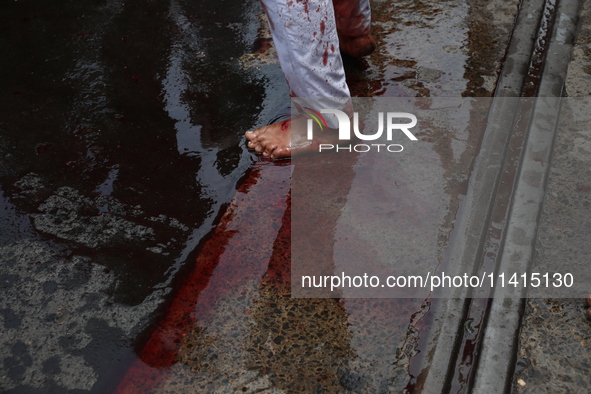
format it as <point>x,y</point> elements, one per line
<point>473,331</point>
<point>474,328</point>
<point>500,339</point>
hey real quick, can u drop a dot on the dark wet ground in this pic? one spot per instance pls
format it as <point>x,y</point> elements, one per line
<point>554,353</point>
<point>119,148</point>
<point>142,244</point>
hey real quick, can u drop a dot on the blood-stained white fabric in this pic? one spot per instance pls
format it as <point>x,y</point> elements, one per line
<point>307,43</point>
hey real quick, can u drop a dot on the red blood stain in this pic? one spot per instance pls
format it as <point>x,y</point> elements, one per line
<point>161,350</point>
<point>322,27</point>
<point>220,262</point>
<point>248,182</point>
<point>289,3</point>
<point>306,8</point>
<point>332,47</point>
<point>285,124</point>
<point>261,45</point>
<point>325,57</point>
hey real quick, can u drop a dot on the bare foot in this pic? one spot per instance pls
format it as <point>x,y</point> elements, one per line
<point>588,301</point>
<point>357,46</point>
<point>288,138</point>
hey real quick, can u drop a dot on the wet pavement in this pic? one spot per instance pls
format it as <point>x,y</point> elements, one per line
<point>554,353</point>
<point>145,249</point>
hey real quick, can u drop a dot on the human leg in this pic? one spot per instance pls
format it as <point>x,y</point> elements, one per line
<point>353,19</point>
<point>306,40</point>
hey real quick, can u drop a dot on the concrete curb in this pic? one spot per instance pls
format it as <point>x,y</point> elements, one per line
<point>502,327</point>
<point>468,238</point>
<point>467,243</point>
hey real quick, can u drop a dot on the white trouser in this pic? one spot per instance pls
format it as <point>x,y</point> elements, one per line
<point>307,43</point>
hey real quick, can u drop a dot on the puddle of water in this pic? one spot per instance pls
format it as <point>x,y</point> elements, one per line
<point>121,146</point>
<point>101,172</point>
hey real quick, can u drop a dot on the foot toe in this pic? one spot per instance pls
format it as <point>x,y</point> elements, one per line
<point>281,153</point>
<point>269,149</point>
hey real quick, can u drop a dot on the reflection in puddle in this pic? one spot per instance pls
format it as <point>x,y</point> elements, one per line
<point>255,336</point>
<point>122,145</point>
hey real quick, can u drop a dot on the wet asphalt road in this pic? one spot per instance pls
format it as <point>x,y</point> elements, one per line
<point>120,150</point>
<point>121,141</point>
<point>119,146</point>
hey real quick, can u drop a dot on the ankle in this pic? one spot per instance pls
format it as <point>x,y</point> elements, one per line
<point>358,46</point>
